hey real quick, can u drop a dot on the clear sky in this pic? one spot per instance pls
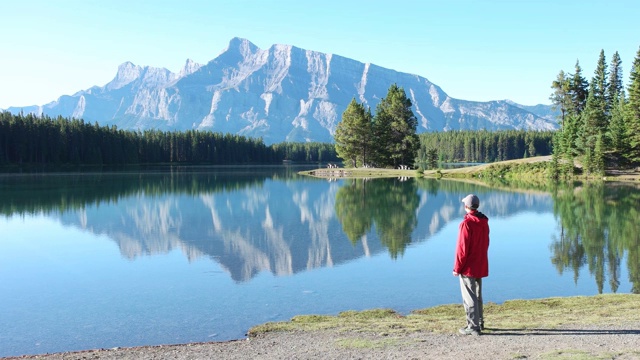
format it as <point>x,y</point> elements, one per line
<point>473,49</point>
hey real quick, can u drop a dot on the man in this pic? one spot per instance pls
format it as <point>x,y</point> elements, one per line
<point>471,263</point>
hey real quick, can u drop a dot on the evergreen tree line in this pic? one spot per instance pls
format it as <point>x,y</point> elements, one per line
<point>600,121</point>
<point>30,139</point>
<point>482,146</point>
<point>386,139</point>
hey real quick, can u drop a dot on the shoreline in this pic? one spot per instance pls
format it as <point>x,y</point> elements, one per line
<point>515,329</point>
<point>468,173</point>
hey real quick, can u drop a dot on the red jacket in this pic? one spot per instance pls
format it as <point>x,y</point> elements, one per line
<point>473,244</point>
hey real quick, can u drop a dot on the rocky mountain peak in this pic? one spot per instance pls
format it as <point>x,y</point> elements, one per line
<point>189,68</point>
<point>280,94</point>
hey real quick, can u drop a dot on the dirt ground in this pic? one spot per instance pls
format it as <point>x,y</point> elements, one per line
<point>620,342</point>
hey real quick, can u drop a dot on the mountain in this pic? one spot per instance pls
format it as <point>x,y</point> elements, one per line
<point>283,93</point>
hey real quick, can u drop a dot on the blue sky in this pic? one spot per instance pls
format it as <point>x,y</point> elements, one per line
<point>473,49</point>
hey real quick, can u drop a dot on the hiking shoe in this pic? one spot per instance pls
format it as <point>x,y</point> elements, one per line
<point>468,331</point>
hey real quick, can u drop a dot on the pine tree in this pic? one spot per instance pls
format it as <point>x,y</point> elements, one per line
<point>353,136</point>
<point>615,78</point>
<point>600,88</point>
<point>561,96</point>
<point>591,121</point>
<point>578,90</point>
<point>617,134</point>
<point>395,127</point>
<point>633,111</point>
<point>554,167</point>
<point>568,145</point>
<point>432,158</point>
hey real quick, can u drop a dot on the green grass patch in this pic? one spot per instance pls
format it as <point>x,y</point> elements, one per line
<point>523,315</point>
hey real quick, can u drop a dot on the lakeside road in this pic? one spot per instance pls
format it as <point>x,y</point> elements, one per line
<point>610,342</point>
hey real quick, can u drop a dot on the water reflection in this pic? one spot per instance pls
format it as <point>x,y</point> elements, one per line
<point>252,221</point>
<point>388,204</point>
<point>598,225</point>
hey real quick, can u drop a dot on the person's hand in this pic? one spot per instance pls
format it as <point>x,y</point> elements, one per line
<point>455,273</point>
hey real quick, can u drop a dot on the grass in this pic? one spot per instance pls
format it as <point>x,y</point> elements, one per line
<point>513,315</point>
<point>534,165</point>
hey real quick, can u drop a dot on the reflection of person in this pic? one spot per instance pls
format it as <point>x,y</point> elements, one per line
<point>471,263</point>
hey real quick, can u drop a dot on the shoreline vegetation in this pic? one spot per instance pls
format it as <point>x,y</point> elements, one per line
<point>522,315</point>
<point>532,168</point>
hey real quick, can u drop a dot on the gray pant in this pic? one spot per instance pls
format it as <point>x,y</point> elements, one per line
<point>472,300</point>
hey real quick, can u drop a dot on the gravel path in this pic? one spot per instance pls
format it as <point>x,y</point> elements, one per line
<point>601,343</point>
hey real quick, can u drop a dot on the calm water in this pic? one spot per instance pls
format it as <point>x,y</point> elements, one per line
<point>190,255</point>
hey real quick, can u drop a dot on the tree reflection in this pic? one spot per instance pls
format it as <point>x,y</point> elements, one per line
<point>389,204</point>
<point>598,224</point>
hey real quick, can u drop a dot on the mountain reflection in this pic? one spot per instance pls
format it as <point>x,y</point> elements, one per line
<point>274,221</point>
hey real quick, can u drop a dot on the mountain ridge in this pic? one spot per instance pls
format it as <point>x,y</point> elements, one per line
<point>283,93</point>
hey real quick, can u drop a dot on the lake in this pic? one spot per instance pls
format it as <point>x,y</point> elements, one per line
<point>178,255</point>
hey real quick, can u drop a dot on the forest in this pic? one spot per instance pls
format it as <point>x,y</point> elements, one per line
<point>41,140</point>
<point>600,121</point>
<point>482,146</point>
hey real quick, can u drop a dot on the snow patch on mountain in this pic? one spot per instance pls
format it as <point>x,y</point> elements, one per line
<point>318,66</point>
<point>79,110</point>
<point>267,97</point>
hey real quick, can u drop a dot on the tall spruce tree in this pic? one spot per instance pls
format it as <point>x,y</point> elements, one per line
<point>395,127</point>
<point>615,78</point>
<point>579,90</point>
<point>617,134</point>
<point>354,136</point>
<point>591,122</point>
<point>600,88</point>
<point>633,111</point>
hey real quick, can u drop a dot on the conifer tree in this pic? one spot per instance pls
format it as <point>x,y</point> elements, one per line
<point>600,88</point>
<point>569,140</point>
<point>617,134</point>
<point>591,123</point>
<point>353,136</point>
<point>579,90</point>
<point>597,165</point>
<point>395,129</point>
<point>432,158</point>
<point>615,78</point>
<point>561,96</point>
<point>633,111</point>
